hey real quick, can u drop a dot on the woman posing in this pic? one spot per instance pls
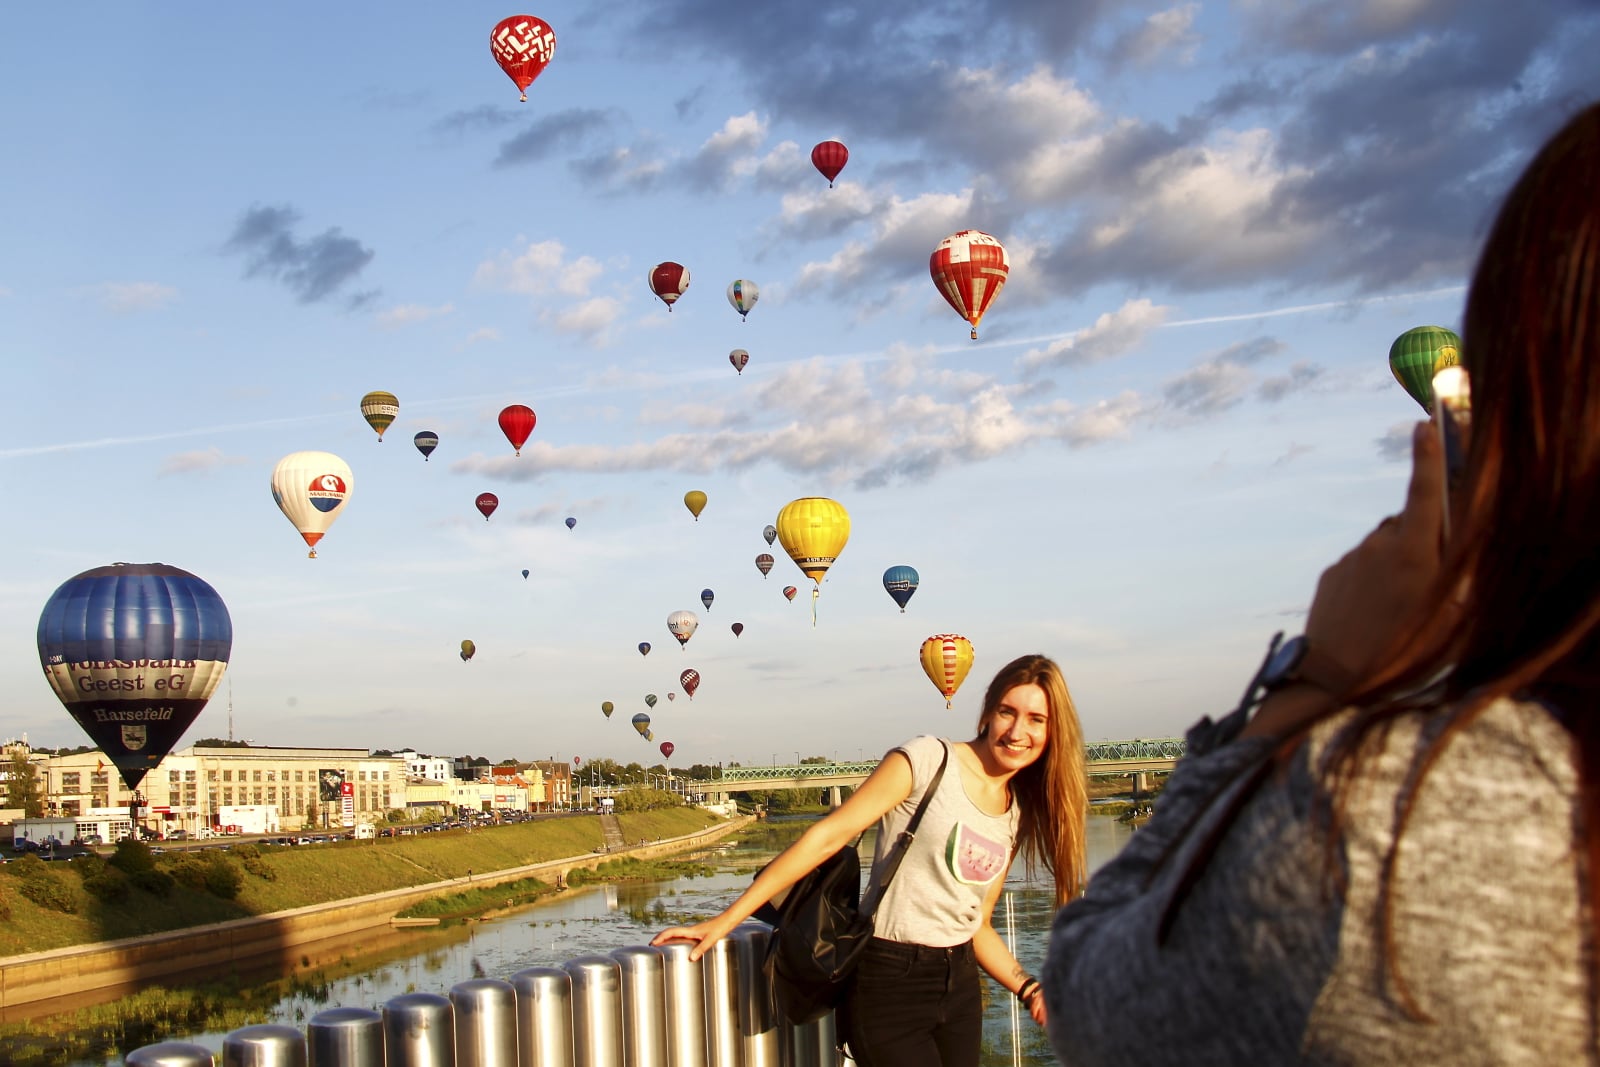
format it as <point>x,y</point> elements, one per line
<point>1397,858</point>
<point>1019,785</point>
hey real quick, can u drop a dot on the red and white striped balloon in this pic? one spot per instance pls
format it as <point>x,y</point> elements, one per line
<point>969,268</point>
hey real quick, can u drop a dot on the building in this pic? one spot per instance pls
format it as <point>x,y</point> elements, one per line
<point>418,765</point>
<point>557,784</point>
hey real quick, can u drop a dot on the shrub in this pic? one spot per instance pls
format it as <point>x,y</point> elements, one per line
<point>48,892</point>
<point>647,800</point>
<point>155,882</point>
<point>29,866</point>
<point>222,878</point>
<point>251,859</point>
<point>132,856</point>
<point>5,907</point>
<point>188,871</point>
<point>107,884</point>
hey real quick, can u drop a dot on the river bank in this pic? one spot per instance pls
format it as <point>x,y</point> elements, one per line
<point>281,939</point>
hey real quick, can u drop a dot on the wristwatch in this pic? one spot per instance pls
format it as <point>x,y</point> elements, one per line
<point>1296,661</point>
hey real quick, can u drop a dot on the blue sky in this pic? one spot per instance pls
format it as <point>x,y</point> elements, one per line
<point>220,230</point>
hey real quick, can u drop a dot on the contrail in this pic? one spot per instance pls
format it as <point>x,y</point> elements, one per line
<point>872,356</point>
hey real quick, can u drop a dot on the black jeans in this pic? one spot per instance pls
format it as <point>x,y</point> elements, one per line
<point>914,1006</point>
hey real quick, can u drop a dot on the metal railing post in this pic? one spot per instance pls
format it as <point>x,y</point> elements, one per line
<point>345,1037</point>
<point>265,1045</point>
<point>759,1023</point>
<point>687,1042</point>
<point>544,1016</point>
<point>724,1043</point>
<point>486,1023</point>
<point>596,1011</point>
<point>419,1030</point>
<point>644,1006</point>
<point>171,1054</point>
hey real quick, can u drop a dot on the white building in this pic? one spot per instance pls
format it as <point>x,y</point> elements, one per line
<point>439,768</point>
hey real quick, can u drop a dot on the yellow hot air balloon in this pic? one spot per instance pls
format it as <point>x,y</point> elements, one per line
<point>379,409</point>
<point>813,530</point>
<point>695,501</point>
<point>947,658</point>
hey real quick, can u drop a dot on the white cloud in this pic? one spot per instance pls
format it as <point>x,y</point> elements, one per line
<point>539,269</point>
<point>591,319</point>
<point>482,333</point>
<point>1166,37</point>
<point>1113,334</point>
<point>125,298</point>
<point>406,314</point>
<point>200,461</point>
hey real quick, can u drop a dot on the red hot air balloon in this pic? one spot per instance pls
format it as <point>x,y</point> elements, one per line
<point>668,748</point>
<point>789,591</point>
<point>523,46</point>
<point>738,628</point>
<point>668,281</point>
<point>690,680</point>
<point>487,502</point>
<point>764,564</point>
<point>576,760</point>
<point>969,268</point>
<point>830,157</point>
<point>517,422</point>
<point>672,696</point>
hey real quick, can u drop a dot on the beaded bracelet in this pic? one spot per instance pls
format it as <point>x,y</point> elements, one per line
<point>1027,989</point>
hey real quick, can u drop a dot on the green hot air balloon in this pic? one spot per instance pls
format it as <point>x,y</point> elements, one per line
<point>608,708</point>
<point>1420,353</point>
<point>650,699</point>
<point>468,650</point>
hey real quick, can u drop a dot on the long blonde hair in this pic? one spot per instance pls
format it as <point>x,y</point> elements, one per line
<point>1054,789</point>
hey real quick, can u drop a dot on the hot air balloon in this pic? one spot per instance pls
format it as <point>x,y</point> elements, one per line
<point>524,573</point>
<point>706,597</point>
<point>690,680</point>
<point>668,748</point>
<point>668,281</point>
<point>641,722</point>
<point>946,658</point>
<point>1420,353</point>
<point>969,269</point>
<point>789,591</point>
<point>672,696</point>
<point>695,501</point>
<point>739,358</point>
<point>764,564</point>
<point>650,700</point>
<point>571,522</point>
<point>743,294</point>
<point>900,582</point>
<point>486,503</point>
<point>468,650</point>
<point>606,708</point>
<point>517,422</point>
<point>644,648</point>
<point>311,489</point>
<point>523,46</point>
<point>379,409</point>
<point>683,625</point>
<point>426,442</point>
<point>813,530</point>
<point>738,628</point>
<point>829,157</point>
<point>134,651</point>
<point>577,761</point>
<point>649,735</point>
<point>770,533</point>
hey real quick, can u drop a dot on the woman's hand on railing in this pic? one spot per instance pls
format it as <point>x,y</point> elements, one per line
<point>706,933</point>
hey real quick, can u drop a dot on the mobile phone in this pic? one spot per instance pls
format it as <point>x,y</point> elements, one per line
<point>1452,416</point>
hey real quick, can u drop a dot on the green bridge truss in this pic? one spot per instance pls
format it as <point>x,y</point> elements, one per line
<point>1101,752</point>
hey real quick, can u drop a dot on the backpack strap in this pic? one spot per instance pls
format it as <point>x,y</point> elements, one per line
<point>902,844</point>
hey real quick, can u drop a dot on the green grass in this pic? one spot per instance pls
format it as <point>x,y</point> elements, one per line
<point>316,874</point>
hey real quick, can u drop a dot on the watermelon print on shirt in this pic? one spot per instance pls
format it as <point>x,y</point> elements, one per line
<point>973,858</point>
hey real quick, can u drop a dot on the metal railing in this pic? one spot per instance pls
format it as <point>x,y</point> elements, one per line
<point>640,1006</point>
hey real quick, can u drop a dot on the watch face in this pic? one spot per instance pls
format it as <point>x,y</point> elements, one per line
<point>1280,668</point>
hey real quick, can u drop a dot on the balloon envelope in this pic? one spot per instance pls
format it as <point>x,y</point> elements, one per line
<point>789,591</point>
<point>468,650</point>
<point>738,628</point>
<point>683,625</point>
<point>644,648</point>
<point>577,760</point>
<point>900,582</point>
<point>523,45</point>
<point>743,294</point>
<point>770,533</point>
<point>606,708</point>
<point>311,489</point>
<point>650,700</point>
<point>813,530</point>
<point>672,696</point>
<point>134,651</point>
<point>486,503</point>
<point>946,659</point>
<point>1420,353</point>
<point>669,281</point>
<point>426,442</point>
<point>764,564</point>
<point>969,268</point>
<point>829,157</point>
<point>739,358</point>
<point>668,748</point>
<point>690,680</point>
<point>706,597</point>
<point>641,722</point>
<point>524,573</point>
<point>695,501</point>
<point>379,409</point>
<point>571,522</point>
<point>517,422</point>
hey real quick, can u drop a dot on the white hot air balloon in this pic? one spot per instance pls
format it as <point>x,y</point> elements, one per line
<point>311,489</point>
<point>683,625</point>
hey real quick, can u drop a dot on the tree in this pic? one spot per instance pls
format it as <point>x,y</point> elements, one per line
<point>22,786</point>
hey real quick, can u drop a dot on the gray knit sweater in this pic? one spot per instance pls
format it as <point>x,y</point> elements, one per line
<point>1266,961</point>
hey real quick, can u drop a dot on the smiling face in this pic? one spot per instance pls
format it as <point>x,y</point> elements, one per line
<point>1017,732</point>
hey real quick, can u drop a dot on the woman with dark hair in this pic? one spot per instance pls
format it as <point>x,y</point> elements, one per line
<point>1020,785</point>
<point>1396,857</point>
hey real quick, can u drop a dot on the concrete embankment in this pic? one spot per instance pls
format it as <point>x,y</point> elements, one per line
<point>268,941</point>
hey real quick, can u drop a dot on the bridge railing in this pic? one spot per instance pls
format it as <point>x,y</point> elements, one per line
<point>1154,748</point>
<point>638,1005</point>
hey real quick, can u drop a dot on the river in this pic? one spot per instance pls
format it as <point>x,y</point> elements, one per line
<point>596,919</point>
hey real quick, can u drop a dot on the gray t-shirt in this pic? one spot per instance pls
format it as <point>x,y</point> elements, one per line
<point>936,898</point>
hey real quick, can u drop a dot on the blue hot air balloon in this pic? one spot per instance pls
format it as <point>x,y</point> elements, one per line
<point>524,573</point>
<point>706,597</point>
<point>426,442</point>
<point>571,522</point>
<point>644,648</point>
<point>134,651</point>
<point>900,582</point>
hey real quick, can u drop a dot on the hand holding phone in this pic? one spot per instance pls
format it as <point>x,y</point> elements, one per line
<point>1452,416</point>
